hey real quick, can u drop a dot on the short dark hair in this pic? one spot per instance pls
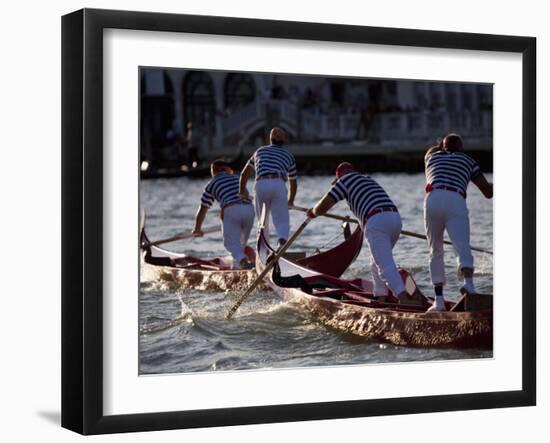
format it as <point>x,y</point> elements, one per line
<point>220,164</point>
<point>453,142</point>
<point>277,135</point>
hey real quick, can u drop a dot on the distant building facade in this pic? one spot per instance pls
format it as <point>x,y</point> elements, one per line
<point>229,110</point>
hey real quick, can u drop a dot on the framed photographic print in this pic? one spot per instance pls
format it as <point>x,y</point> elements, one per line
<point>271,221</point>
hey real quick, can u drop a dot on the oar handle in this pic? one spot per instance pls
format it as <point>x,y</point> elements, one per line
<point>268,268</point>
<point>409,233</point>
<point>327,214</point>
<point>473,248</point>
<point>184,235</point>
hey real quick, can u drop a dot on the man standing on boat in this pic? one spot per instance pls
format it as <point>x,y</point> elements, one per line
<point>380,220</point>
<point>448,173</point>
<point>274,165</point>
<point>237,213</point>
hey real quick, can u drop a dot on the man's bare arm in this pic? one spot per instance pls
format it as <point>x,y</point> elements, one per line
<point>292,189</point>
<point>246,173</point>
<point>199,218</point>
<point>484,186</point>
<point>323,205</point>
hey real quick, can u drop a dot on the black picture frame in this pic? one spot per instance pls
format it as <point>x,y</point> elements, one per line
<point>82,218</point>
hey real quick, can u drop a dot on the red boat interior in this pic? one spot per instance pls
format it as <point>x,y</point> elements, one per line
<point>352,292</point>
<point>362,298</point>
<point>195,263</point>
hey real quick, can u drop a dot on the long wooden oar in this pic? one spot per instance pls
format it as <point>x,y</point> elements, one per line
<point>268,268</point>
<point>409,233</point>
<point>185,235</point>
<point>422,236</point>
<point>326,214</point>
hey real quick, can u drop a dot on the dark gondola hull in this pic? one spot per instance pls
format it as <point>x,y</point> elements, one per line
<point>359,314</point>
<point>446,329</point>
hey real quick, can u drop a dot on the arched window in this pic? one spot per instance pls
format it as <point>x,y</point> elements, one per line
<point>199,104</point>
<point>168,87</point>
<point>337,92</point>
<point>155,82</point>
<point>156,111</point>
<point>240,90</point>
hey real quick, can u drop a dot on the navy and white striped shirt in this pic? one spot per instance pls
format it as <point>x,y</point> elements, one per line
<point>273,159</point>
<point>452,169</point>
<point>224,188</point>
<point>362,193</point>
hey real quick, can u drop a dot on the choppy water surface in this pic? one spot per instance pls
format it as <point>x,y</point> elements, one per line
<point>184,330</point>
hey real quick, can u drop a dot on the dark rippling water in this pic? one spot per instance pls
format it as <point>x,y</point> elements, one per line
<point>184,330</point>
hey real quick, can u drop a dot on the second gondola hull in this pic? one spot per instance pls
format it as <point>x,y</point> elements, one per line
<point>185,271</point>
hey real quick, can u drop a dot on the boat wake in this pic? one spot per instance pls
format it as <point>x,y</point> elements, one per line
<point>267,307</point>
<point>195,311</point>
<point>156,324</point>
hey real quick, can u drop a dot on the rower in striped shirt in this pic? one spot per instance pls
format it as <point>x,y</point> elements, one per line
<point>273,165</point>
<point>237,213</point>
<point>380,220</point>
<point>448,173</point>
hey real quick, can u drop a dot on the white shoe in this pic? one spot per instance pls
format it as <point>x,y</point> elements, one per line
<point>437,306</point>
<point>468,289</point>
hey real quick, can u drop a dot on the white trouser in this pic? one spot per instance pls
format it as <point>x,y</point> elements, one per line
<point>236,225</point>
<point>272,192</point>
<point>447,210</point>
<point>382,232</point>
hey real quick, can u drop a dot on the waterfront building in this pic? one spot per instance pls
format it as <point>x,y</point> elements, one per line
<point>219,113</point>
